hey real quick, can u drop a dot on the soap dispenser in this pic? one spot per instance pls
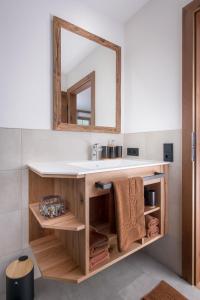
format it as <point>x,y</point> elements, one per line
<point>96,151</point>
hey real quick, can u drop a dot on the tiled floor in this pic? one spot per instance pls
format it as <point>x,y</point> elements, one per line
<point>129,279</point>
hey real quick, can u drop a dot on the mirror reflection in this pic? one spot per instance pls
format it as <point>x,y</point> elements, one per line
<point>88,81</point>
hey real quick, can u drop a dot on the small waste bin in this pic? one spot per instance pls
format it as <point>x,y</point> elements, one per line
<point>20,279</point>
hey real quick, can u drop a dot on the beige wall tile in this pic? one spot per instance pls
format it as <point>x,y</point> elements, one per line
<point>10,187</point>
<point>10,149</point>
<point>24,194</point>
<point>25,228</point>
<point>44,145</point>
<point>136,140</point>
<point>10,233</point>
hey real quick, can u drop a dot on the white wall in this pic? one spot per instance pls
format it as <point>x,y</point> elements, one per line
<point>153,67</point>
<point>26,55</point>
<point>103,61</point>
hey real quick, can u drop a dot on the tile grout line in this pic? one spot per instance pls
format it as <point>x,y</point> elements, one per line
<point>21,191</point>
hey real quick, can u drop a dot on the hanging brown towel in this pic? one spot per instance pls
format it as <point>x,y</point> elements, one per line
<point>129,205</point>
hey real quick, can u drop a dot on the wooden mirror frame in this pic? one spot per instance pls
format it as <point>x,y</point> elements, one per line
<point>58,124</point>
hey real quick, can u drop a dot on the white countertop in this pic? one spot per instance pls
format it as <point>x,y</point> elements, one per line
<point>77,168</point>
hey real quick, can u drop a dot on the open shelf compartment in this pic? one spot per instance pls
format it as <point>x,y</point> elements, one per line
<point>65,222</point>
<point>58,244</point>
<point>99,211</point>
<point>53,260</point>
<point>116,256</point>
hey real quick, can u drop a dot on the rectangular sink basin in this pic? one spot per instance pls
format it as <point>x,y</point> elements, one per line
<point>106,164</point>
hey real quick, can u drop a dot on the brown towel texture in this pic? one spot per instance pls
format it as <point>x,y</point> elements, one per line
<point>163,291</point>
<point>98,249</point>
<point>151,221</point>
<point>98,239</point>
<point>152,229</point>
<point>153,232</point>
<point>99,259</point>
<point>129,205</point>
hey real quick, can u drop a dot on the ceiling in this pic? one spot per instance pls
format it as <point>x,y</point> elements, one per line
<point>74,49</point>
<point>120,10</point>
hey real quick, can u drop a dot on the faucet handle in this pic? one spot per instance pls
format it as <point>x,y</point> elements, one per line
<point>96,146</point>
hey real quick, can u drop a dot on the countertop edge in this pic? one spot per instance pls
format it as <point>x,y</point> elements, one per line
<point>76,174</point>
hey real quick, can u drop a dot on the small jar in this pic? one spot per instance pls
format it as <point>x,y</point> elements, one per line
<point>152,198</point>
<point>112,152</point>
<point>105,152</point>
<point>119,151</point>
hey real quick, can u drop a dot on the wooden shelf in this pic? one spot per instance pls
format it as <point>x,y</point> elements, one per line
<point>116,256</point>
<point>147,240</point>
<point>150,209</point>
<point>65,222</point>
<point>53,260</point>
<point>152,181</point>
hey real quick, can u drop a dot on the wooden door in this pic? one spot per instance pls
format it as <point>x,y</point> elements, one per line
<point>191,144</point>
<point>197,164</point>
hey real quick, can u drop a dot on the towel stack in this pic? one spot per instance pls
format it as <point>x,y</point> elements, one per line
<point>152,226</point>
<point>99,252</point>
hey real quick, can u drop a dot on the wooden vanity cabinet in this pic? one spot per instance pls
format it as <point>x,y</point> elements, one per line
<point>61,245</point>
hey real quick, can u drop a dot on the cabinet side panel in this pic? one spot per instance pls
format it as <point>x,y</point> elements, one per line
<point>38,187</point>
<point>73,192</point>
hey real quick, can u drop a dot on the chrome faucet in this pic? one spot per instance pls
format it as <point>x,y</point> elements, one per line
<point>96,152</point>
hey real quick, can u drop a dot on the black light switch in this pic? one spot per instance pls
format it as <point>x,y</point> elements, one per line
<point>168,153</point>
<point>133,151</point>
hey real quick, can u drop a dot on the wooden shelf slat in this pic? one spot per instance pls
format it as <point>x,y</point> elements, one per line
<point>152,181</point>
<point>65,222</point>
<point>53,260</point>
<point>150,209</point>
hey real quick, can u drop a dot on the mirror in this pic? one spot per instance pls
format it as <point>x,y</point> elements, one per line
<point>87,80</point>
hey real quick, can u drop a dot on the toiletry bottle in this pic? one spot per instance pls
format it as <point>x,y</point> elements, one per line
<point>119,151</point>
<point>105,152</point>
<point>112,149</point>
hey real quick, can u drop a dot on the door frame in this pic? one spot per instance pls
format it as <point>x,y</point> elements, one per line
<point>190,206</point>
